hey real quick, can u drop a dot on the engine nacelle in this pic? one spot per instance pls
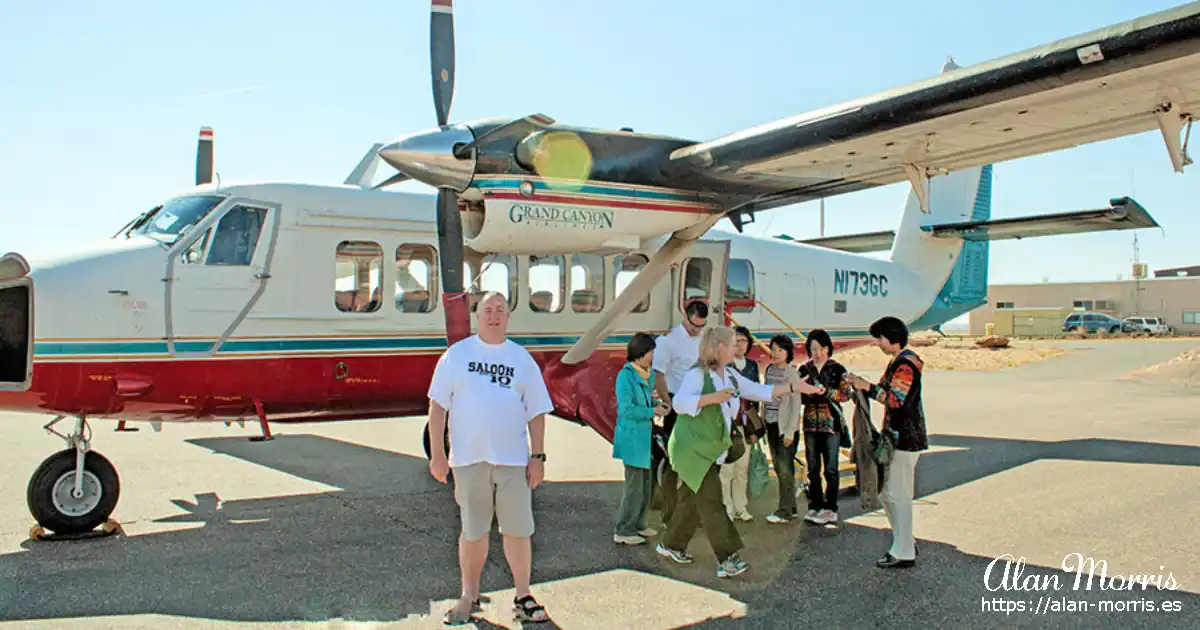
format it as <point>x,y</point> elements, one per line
<point>550,223</point>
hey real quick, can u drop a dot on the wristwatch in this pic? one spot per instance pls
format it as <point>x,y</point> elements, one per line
<point>541,456</point>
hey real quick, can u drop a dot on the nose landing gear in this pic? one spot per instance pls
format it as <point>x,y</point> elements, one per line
<point>74,490</point>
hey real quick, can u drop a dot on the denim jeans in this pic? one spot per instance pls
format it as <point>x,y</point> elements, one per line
<point>821,456</point>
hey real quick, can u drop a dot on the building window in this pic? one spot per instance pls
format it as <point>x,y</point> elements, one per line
<point>1105,305</point>
<point>547,283</point>
<point>739,284</point>
<point>625,269</point>
<point>490,272</point>
<point>358,276</point>
<point>416,278</point>
<point>839,306</point>
<point>1083,304</point>
<point>587,283</point>
<point>1191,318</point>
<point>697,279</point>
<point>1005,305</point>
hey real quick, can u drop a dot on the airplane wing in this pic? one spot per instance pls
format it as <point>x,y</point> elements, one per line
<point>857,243</point>
<point>1136,76</point>
<point>1122,214</point>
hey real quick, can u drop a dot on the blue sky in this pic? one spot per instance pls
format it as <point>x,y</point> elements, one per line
<point>102,103</point>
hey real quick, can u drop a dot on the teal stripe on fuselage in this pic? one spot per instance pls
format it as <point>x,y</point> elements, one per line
<point>282,346</point>
<point>586,189</point>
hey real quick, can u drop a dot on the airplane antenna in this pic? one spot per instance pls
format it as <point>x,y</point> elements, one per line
<point>218,176</point>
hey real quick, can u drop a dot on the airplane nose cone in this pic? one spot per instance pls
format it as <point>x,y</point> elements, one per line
<point>428,157</point>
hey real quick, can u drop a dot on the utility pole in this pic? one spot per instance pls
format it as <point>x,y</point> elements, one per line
<point>1137,279</point>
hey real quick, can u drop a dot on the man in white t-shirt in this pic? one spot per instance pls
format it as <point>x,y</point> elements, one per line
<point>496,399</point>
<point>674,355</point>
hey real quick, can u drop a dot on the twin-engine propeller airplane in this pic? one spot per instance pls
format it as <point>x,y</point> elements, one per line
<point>284,301</point>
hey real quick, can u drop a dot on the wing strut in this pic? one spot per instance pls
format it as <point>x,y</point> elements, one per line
<point>1170,123</point>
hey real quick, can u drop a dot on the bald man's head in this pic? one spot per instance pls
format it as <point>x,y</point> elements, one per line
<point>492,317</point>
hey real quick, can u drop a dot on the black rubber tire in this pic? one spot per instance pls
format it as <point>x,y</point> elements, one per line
<point>41,488</point>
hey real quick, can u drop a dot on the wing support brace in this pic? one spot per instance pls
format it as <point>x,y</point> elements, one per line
<point>670,253</point>
<point>1170,123</point>
<point>918,174</point>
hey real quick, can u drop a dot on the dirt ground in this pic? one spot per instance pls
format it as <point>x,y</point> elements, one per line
<point>1182,370</point>
<point>960,353</point>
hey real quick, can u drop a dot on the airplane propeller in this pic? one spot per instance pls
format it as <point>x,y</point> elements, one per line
<point>449,223</point>
<point>204,156</point>
<point>445,158</point>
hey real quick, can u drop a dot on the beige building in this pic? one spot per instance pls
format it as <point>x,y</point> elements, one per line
<point>1176,299</point>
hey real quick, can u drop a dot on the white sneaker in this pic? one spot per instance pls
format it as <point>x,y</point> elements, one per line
<point>628,540</point>
<point>828,517</point>
<point>775,518</point>
<point>733,566</point>
<point>811,516</point>
<point>648,532</point>
<point>743,516</point>
<point>678,556</point>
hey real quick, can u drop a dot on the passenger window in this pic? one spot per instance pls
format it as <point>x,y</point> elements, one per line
<point>625,269</point>
<point>547,283</point>
<point>237,236</point>
<point>587,283</point>
<point>358,277</point>
<point>490,273</point>
<point>697,279</point>
<point>739,284</point>
<point>416,281</point>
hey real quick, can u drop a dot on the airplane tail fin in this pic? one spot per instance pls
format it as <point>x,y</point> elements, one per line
<point>956,269</point>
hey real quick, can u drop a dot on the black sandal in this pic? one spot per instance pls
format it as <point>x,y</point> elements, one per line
<point>526,609</point>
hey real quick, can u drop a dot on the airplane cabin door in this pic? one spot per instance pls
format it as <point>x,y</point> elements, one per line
<point>218,276</point>
<point>701,274</point>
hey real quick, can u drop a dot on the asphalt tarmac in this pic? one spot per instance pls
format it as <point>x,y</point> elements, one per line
<point>339,525</point>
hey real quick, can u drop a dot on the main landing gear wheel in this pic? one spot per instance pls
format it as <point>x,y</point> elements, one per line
<point>54,501</point>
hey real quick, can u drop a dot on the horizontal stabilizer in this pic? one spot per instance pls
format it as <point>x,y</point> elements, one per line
<point>1123,214</point>
<point>857,243</point>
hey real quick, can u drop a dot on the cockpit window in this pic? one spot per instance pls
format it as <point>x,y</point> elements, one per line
<point>174,218</point>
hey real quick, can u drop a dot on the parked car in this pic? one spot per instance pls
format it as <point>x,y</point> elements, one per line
<point>1152,325</point>
<point>1095,322</point>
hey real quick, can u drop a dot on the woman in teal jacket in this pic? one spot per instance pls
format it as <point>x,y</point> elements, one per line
<point>636,408</point>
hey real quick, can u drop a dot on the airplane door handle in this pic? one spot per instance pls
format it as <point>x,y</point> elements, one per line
<point>262,276</point>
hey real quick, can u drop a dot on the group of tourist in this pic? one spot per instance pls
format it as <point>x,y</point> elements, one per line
<point>696,389</point>
<point>690,406</point>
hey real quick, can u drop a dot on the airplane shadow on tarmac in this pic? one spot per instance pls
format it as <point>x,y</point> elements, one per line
<point>383,548</point>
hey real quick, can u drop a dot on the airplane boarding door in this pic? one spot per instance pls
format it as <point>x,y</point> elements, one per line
<point>701,274</point>
<point>216,277</point>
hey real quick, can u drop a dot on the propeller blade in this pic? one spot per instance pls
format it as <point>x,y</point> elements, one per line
<point>204,156</point>
<point>441,55</point>
<point>394,179</point>
<point>450,249</point>
<point>530,122</point>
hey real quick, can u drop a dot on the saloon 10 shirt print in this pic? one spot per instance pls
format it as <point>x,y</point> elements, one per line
<point>491,392</point>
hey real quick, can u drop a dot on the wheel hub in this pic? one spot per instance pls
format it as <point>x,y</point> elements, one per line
<point>64,497</point>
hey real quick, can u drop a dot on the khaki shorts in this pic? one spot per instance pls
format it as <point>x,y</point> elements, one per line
<point>482,489</point>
